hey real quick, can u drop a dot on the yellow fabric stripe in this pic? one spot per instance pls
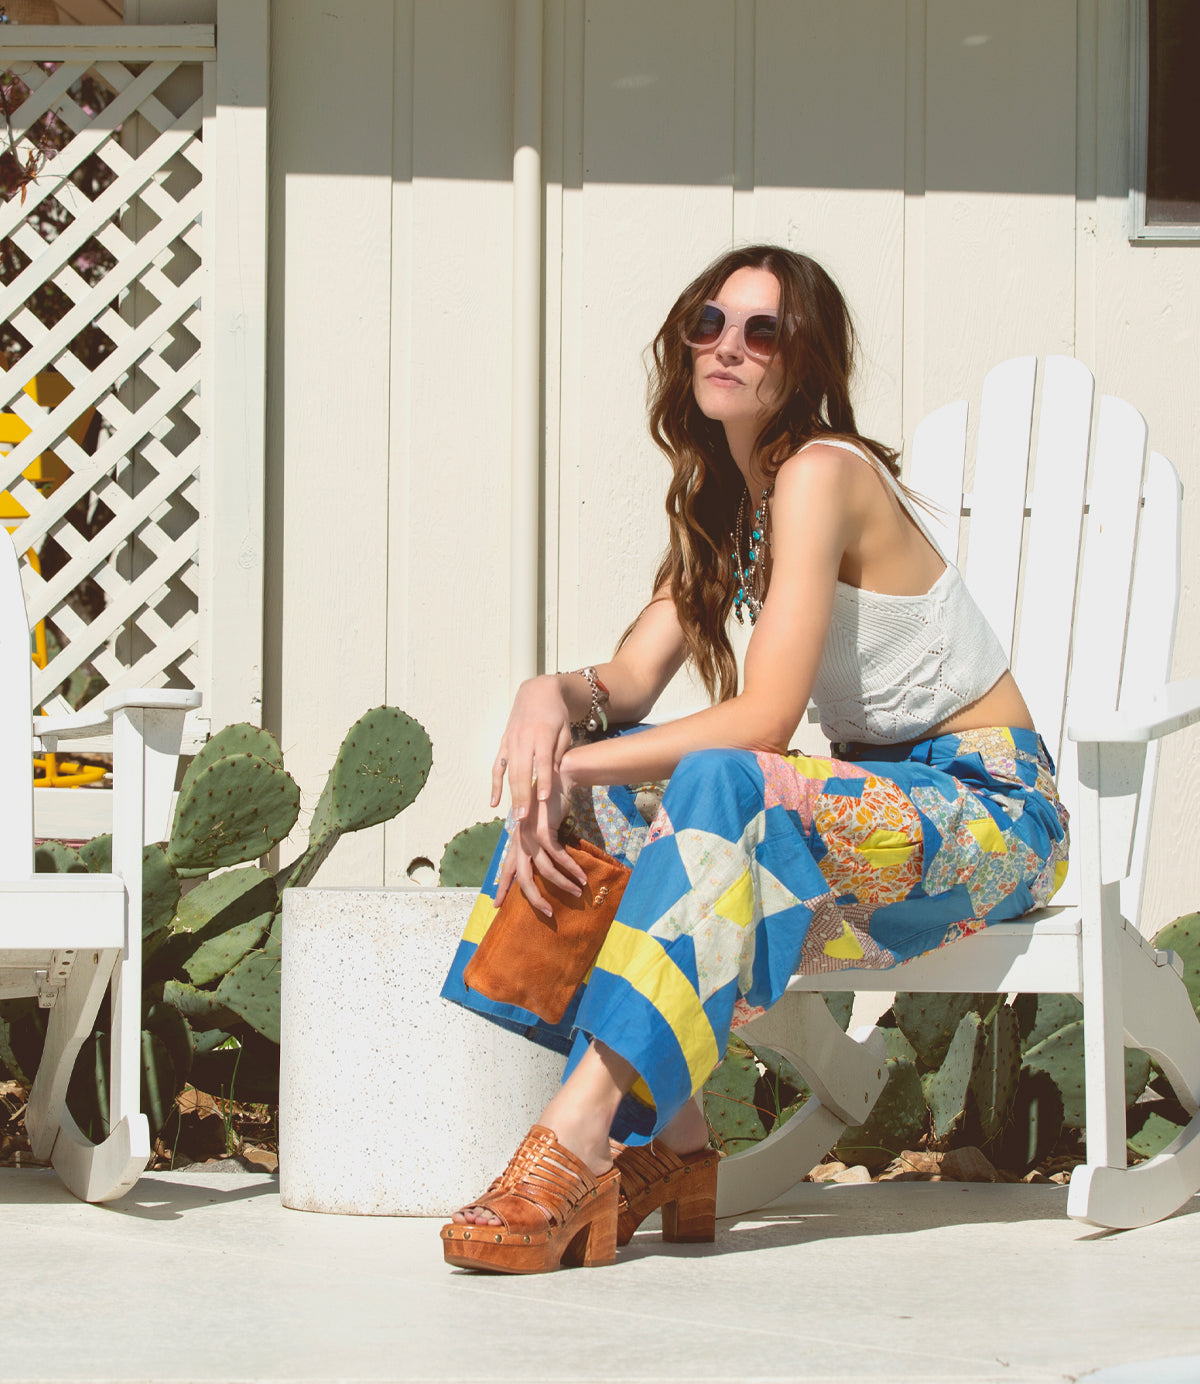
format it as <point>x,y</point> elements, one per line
<point>480,919</point>
<point>639,959</point>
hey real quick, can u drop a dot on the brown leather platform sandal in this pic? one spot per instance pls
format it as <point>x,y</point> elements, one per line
<point>553,1210</point>
<point>685,1186</point>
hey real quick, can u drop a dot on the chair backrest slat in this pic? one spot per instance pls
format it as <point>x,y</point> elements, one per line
<point>935,472</point>
<point>993,563</point>
<point>1150,641</point>
<point>1099,583</point>
<point>16,765</point>
<point>1042,657</point>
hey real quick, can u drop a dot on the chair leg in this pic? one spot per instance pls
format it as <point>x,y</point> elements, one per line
<point>845,1072</point>
<point>93,1172</point>
<point>1159,1018</point>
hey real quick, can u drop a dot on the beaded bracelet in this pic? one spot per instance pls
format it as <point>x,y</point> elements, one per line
<point>596,719</point>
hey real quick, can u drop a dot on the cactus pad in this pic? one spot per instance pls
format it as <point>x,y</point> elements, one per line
<point>994,1080</point>
<point>930,1022</point>
<point>468,854</point>
<point>56,858</point>
<point>381,767</point>
<point>251,990</point>
<point>1061,1057</point>
<point>1183,936</point>
<point>235,809</point>
<point>947,1090</point>
<point>241,738</point>
<point>201,1008</point>
<point>736,1122</point>
<point>897,1120</point>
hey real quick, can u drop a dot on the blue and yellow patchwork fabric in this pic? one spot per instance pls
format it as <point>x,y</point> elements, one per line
<point>756,867</point>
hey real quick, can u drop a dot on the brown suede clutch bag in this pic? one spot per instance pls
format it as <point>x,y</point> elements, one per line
<point>537,962</point>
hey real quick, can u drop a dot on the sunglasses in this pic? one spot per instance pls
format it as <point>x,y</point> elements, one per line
<point>759,330</point>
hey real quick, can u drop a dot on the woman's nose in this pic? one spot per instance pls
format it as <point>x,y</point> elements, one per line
<point>730,345</point>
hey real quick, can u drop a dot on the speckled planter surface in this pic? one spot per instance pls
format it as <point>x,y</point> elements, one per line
<point>392,1102</point>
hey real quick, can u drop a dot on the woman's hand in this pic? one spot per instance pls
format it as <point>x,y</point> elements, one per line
<point>537,736</point>
<point>535,739</point>
<point>534,850</point>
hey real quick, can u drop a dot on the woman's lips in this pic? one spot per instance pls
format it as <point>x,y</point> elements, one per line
<point>723,378</point>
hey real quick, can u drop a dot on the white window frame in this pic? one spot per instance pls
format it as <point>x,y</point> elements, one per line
<point>1139,123</point>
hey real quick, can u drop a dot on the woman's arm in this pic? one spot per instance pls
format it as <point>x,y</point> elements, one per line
<point>812,521</point>
<point>538,734</point>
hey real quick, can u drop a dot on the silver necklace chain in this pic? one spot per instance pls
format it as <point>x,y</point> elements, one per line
<point>751,580</point>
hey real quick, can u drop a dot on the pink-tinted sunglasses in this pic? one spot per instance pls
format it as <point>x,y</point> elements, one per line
<point>758,329</point>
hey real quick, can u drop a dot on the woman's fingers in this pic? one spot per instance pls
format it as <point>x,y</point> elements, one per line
<point>528,883</point>
<point>499,766</point>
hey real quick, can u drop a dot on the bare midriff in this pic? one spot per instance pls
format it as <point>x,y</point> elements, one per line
<point>1001,705</point>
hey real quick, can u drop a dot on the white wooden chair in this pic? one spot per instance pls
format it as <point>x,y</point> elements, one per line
<point>1084,591</point>
<point>67,938</point>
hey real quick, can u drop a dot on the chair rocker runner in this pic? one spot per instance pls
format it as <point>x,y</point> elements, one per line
<point>1084,594</point>
<point>69,938</point>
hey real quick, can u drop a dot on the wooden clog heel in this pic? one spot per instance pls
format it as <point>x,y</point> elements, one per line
<point>553,1211</point>
<point>683,1186</point>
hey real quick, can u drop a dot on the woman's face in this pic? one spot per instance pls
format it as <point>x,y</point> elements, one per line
<point>731,386</point>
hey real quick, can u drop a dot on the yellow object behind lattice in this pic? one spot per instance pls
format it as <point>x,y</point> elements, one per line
<point>47,471</point>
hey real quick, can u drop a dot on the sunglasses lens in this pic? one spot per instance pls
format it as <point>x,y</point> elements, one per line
<point>761,334</point>
<point>708,327</point>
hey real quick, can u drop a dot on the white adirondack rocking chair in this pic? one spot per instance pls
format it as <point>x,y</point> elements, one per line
<point>67,938</point>
<point>1085,595</point>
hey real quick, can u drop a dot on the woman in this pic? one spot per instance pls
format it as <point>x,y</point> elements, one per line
<point>935,816</point>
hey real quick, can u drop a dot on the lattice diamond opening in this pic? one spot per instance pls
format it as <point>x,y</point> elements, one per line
<point>102,270</point>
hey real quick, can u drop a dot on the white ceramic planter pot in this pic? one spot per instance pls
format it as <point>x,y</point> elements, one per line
<point>392,1101</point>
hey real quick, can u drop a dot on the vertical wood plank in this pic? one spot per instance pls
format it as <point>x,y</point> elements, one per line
<point>451,300</point>
<point>829,150</point>
<point>998,503</point>
<point>999,205</point>
<point>652,213</point>
<point>236,220</point>
<point>1055,527</point>
<point>331,96</point>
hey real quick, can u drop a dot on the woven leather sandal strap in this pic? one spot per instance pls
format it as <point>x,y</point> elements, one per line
<point>541,1185</point>
<point>642,1164</point>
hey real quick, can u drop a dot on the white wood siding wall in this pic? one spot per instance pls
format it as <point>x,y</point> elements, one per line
<point>959,165</point>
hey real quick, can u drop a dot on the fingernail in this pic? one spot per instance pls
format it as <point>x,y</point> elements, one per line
<point>520,813</point>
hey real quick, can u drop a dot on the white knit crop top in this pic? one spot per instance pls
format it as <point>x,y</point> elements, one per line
<point>896,666</point>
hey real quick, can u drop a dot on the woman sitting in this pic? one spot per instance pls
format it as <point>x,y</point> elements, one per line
<point>935,815</point>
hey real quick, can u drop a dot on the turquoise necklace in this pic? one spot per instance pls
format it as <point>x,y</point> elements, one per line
<point>750,577</point>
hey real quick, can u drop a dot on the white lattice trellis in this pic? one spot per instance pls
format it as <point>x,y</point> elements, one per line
<point>147,301</point>
<point>146,221</point>
<point>136,270</point>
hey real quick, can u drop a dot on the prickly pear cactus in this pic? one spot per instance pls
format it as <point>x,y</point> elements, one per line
<point>241,738</point>
<point>1183,936</point>
<point>468,855</point>
<point>930,1022</point>
<point>381,767</point>
<point>235,809</point>
<point>897,1121</point>
<point>1035,1120</point>
<point>994,1080</point>
<point>56,858</point>
<point>733,1117</point>
<point>252,988</point>
<point>947,1090</point>
<point>201,1008</point>
<point>1061,1057</point>
<point>221,920</point>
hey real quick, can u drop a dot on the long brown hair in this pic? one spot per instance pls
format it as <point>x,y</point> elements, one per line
<point>816,346</point>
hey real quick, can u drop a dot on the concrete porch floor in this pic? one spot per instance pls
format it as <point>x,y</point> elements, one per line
<point>206,1277</point>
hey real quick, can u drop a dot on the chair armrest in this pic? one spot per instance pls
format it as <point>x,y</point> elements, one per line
<point>1170,709</point>
<point>49,730</point>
